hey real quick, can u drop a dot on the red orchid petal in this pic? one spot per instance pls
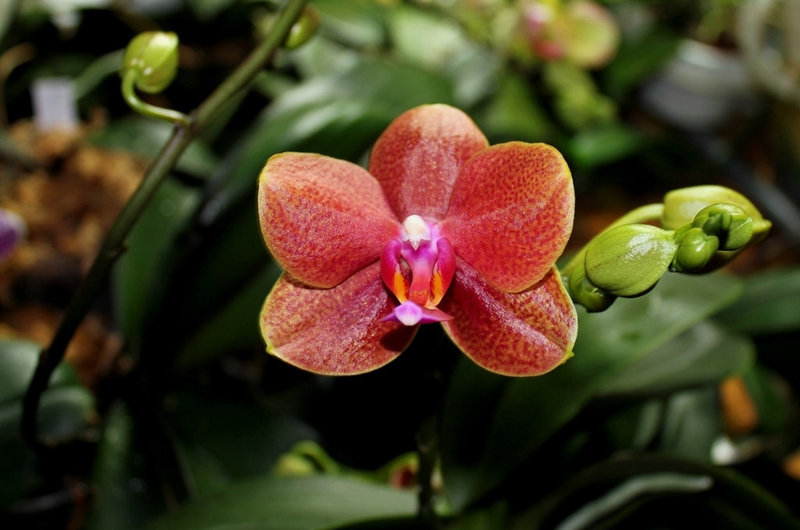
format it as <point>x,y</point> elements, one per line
<point>418,157</point>
<point>335,331</point>
<point>519,334</point>
<point>511,213</point>
<point>322,218</point>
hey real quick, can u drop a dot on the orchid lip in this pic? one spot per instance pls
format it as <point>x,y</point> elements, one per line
<point>418,267</point>
<point>410,314</point>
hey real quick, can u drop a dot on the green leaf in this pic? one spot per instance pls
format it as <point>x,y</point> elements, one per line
<point>124,497</point>
<point>291,503</point>
<point>7,12</point>
<point>66,411</point>
<point>360,23</point>
<point>702,354</point>
<point>729,499</point>
<point>638,58</point>
<point>233,327</point>
<point>616,499</point>
<point>516,416</point>
<point>224,440</point>
<point>770,303</point>
<point>603,144</point>
<point>139,275</point>
<point>17,362</point>
<point>691,424</point>
<point>146,137</point>
<point>424,38</point>
<point>769,395</point>
<point>514,114</point>
<point>208,9</point>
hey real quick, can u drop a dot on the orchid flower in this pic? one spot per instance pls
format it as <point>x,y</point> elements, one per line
<point>440,228</point>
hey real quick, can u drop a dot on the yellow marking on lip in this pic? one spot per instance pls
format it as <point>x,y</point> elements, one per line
<point>437,288</point>
<point>399,287</point>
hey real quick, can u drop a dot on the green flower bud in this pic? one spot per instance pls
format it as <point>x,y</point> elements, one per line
<point>695,249</point>
<point>728,222</point>
<point>154,56</point>
<point>628,260</point>
<point>585,293</point>
<point>682,205</point>
<point>302,30</point>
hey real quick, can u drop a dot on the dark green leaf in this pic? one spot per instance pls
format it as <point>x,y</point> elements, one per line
<point>223,440</point>
<point>770,303</point>
<point>731,496</point>
<point>140,274</point>
<point>513,113</point>
<point>125,494</point>
<point>702,354</point>
<point>301,503</point>
<point>146,136</point>
<point>17,361</point>
<point>618,497</point>
<point>638,58</point>
<point>691,424</point>
<point>233,327</point>
<point>524,413</point>
<point>604,144</point>
<point>208,9</point>
<point>358,22</point>
<point>65,412</point>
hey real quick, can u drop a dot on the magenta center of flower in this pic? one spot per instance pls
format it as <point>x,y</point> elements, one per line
<point>418,267</point>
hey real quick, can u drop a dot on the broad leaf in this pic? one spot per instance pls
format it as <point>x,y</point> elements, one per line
<point>516,416</point>
<point>702,354</point>
<point>770,303</point>
<point>65,412</point>
<point>300,503</point>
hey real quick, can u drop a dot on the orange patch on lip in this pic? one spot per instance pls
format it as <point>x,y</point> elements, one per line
<point>400,287</point>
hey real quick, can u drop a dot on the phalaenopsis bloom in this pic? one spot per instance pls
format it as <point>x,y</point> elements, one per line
<point>441,228</point>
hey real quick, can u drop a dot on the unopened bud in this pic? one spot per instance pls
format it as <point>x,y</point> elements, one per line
<point>728,222</point>
<point>585,293</point>
<point>302,30</point>
<point>682,205</point>
<point>695,249</point>
<point>628,260</point>
<point>154,56</point>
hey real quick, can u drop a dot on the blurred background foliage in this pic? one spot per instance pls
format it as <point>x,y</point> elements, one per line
<point>679,408</point>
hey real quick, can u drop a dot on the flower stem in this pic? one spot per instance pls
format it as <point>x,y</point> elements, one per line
<point>428,449</point>
<point>132,99</point>
<point>114,245</point>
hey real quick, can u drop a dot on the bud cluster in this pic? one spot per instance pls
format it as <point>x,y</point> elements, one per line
<point>701,229</point>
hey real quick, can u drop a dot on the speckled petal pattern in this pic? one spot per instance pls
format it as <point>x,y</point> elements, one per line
<point>335,331</point>
<point>322,219</point>
<point>418,158</point>
<point>511,213</point>
<point>518,334</point>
